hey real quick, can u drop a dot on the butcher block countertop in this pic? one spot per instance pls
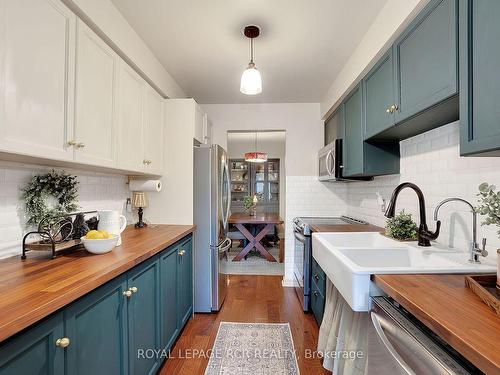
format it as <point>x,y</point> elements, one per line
<point>454,312</point>
<point>346,228</point>
<point>34,288</point>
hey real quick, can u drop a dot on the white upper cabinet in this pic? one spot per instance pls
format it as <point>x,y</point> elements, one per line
<point>130,95</point>
<point>207,130</point>
<point>96,70</point>
<point>153,132</point>
<point>37,48</point>
<point>199,116</point>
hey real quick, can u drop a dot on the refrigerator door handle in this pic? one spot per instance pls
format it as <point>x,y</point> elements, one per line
<point>228,187</point>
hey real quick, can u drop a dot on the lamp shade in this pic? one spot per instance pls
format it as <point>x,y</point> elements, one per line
<point>251,81</point>
<point>139,199</point>
<point>256,157</point>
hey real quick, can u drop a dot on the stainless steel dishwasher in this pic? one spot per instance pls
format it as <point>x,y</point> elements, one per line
<point>399,344</point>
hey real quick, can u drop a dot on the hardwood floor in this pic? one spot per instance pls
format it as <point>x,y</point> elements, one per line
<point>254,299</point>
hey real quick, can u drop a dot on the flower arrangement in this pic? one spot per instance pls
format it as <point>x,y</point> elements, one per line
<point>402,227</point>
<point>249,203</point>
<point>489,204</point>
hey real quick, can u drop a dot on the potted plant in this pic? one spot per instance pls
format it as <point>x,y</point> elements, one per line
<point>489,204</point>
<point>401,227</point>
<point>249,203</point>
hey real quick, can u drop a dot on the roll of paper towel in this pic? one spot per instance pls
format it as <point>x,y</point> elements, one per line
<point>145,185</point>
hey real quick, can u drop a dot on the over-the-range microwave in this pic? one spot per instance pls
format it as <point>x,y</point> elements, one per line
<point>330,166</point>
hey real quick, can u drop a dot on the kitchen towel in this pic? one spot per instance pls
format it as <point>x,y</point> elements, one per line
<point>342,334</point>
<point>145,185</point>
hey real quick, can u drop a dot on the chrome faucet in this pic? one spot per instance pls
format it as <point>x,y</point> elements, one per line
<point>424,235</point>
<point>475,251</point>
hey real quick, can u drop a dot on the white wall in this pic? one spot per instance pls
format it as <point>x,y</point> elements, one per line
<point>392,19</point>
<point>110,23</point>
<point>97,191</point>
<point>301,121</point>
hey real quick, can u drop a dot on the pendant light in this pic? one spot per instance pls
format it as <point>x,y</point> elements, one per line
<point>256,156</point>
<point>251,81</point>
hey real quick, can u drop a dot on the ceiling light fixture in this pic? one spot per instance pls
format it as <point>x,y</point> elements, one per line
<point>251,81</point>
<point>256,156</point>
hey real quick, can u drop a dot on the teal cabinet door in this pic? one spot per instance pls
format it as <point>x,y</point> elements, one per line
<point>35,352</point>
<point>479,77</point>
<point>378,97</point>
<point>143,317</point>
<point>353,134</point>
<point>334,127</point>
<point>97,327</point>
<point>168,297</point>
<point>426,59</point>
<point>185,281</point>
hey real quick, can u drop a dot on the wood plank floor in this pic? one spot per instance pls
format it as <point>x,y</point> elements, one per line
<point>253,299</point>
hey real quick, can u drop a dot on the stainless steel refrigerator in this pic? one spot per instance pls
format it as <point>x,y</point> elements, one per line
<point>212,204</point>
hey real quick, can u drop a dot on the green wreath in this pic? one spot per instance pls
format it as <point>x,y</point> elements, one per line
<point>61,186</point>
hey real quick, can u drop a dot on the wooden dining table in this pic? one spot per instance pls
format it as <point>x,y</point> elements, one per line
<point>269,220</point>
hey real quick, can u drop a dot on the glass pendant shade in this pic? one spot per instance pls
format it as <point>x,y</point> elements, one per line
<point>256,157</point>
<point>251,81</point>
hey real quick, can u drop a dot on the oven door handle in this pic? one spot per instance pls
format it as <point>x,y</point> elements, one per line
<point>300,237</point>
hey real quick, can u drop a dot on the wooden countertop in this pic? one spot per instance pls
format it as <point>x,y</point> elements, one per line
<point>446,306</point>
<point>38,286</point>
<point>346,228</point>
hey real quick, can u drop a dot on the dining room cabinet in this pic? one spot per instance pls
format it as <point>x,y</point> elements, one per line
<point>37,66</point>
<point>94,139</point>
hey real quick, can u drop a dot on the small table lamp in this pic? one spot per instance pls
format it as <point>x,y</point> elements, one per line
<point>140,201</point>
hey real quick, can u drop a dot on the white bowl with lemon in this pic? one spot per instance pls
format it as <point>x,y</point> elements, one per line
<point>99,241</point>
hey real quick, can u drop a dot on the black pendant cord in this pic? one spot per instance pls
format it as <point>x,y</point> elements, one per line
<point>251,51</point>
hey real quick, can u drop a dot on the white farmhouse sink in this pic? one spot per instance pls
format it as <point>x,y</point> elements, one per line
<point>349,259</point>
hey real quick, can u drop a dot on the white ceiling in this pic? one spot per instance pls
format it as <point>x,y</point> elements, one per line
<point>303,44</point>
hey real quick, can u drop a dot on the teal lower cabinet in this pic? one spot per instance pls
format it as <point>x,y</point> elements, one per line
<point>318,291</point>
<point>97,328</point>
<point>479,31</point>
<point>185,281</point>
<point>119,328</point>
<point>169,327</point>
<point>35,351</point>
<point>362,158</point>
<point>143,317</point>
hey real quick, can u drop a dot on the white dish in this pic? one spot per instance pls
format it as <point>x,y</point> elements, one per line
<point>349,260</point>
<point>100,246</point>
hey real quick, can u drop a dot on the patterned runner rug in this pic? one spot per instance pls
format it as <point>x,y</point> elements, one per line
<point>253,349</point>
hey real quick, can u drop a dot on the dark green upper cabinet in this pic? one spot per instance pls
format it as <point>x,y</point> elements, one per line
<point>361,158</point>
<point>426,60</point>
<point>479,77</point>
<point>378,97</point>
<point>143,317</point>
<point>334,127</point>
<point>97,327</point>
<point>35,351</point>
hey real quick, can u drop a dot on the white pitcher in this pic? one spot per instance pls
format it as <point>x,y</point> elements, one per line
<point>113,222</point>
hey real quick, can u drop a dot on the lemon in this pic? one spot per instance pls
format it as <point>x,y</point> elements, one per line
<point>94,235</point>
<point>105,234</point>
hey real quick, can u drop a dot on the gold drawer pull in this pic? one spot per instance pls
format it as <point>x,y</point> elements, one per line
<point>63,342</point>
<point>133,289</point>
<point>128,293</point>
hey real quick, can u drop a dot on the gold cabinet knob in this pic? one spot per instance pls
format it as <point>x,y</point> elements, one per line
<point>146,162</point>
<point>182,252</point>
<point>63,342</point>
<point>388,110</point>
<point>392,109</point>
<point>80,145</point>
<point>72,143</point>
<point>128,293</point>
<point>133,289</point>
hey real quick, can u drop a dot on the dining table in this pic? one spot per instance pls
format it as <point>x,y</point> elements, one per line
<point>265,219</point>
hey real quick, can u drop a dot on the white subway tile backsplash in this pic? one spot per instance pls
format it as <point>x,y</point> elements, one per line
<point>96,191</point>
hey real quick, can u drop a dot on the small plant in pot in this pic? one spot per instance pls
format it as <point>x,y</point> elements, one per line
<point>489,204</point>
<point>249,203</point>
<point>402,227</point>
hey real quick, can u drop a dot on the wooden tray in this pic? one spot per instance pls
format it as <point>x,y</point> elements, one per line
<point>484,286</point>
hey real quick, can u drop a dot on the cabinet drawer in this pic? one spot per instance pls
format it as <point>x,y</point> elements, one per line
<point>317,302</point>
<point>318,275</point>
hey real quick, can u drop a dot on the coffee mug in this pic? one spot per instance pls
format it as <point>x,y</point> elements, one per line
<point>113,222</point>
